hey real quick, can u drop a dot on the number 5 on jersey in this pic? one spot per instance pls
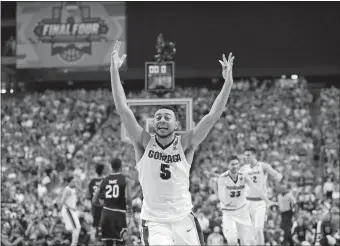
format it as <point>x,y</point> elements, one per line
<point>165,172</point>
<point>112,191</point>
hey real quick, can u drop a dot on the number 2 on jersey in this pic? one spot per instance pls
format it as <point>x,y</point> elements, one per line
<point>165,172</point>
<point>112,191</point>
<point>254,179</point>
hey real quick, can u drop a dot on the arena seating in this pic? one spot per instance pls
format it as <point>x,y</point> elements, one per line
<point>48,135</point>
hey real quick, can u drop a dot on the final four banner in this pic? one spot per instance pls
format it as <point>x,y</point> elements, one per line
<point>68,34</point>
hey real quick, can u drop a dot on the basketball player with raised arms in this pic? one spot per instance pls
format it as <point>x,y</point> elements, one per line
<point>257,171</point>
<point>164,161</point>
<point>231,188</point>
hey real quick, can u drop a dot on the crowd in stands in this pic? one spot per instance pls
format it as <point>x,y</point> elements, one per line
<point>48,135</point>
<point>330,130</point>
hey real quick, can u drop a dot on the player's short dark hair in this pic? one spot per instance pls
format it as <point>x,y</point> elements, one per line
<point>99,168</point>
<point>169,108</point>
<point>116,164</point>
<point>231,158</point>
<point>251,149</point>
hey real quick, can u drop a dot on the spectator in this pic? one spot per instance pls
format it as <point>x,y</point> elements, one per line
<point>328,188</point>
<point>301,233</point>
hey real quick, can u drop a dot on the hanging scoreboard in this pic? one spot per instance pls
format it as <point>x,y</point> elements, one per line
<point>159,76</point>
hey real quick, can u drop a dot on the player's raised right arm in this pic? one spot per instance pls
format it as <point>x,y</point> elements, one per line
<point>133,129</point>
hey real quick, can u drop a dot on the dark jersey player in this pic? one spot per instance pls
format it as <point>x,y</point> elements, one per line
<point>96,208</point>
<point>115,193</point>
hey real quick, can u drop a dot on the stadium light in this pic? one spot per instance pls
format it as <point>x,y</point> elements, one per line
<point>11,91</point>
<point>294,76</point>
<point>3,91</point>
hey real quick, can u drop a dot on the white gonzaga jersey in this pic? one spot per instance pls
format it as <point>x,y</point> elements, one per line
<point>257,176</point>
<point>71,200</point>
<point>164,177</point>
<point>233,191</point>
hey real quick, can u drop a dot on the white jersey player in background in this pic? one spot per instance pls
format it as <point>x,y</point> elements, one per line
<point>164,161</point>
<point>257,171</point>
<point>236,221</point>
<point>69,210</point>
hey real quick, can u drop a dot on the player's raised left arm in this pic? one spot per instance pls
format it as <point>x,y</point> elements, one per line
<point>276,175</point>
<point>201,130</point>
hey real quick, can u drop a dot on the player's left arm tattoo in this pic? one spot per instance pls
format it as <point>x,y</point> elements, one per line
<point>275,174</point>
<point>96,197</point>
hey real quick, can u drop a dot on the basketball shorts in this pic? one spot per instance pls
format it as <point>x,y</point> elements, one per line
<point>237,224</point>
<point>70,218</point>
<point>96,215</point>
<point>257,210</point>
<point>113,224</point>
<point>184,232</point>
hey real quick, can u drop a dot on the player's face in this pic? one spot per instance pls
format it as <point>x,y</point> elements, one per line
<point>249,157</point>
<point>164,123</point>
<point>234,166</point>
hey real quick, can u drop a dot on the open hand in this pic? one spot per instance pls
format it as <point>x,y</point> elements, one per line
<point>117,62</point>
<point>227,65</point>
